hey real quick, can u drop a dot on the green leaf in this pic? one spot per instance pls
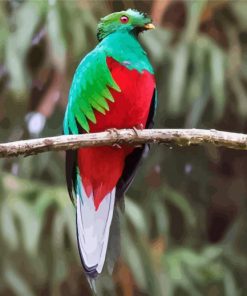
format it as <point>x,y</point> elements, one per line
<point>16,282</point>
<point>31,224</point>
<point>161,216</point>
<point>230,285</point>
<point>178,76</point>
<point>26,19</point>
<point>58,234</point>
<point>8,227</point>
<point>132,256</point>
<point>56,38</point>
<point>239,10</point>
<point>135,215</point>
<point>217,79</point>
<point>148,265</point>
<point>197,92</point>
<point>194,10</point>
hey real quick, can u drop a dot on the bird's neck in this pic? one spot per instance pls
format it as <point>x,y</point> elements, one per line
<point>126,48</point>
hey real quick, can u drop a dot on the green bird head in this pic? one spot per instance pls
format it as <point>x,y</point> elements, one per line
<point>128,20</point>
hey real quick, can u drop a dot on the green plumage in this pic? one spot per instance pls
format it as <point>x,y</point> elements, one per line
<point>92,79</point>
<point>89,91</point>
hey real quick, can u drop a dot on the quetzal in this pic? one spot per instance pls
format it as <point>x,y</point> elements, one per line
<point>113,87</point>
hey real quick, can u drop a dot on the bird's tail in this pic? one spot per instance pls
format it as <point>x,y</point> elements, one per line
<point>93,228</point>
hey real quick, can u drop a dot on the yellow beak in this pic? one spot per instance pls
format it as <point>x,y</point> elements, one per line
<point>149,26</point>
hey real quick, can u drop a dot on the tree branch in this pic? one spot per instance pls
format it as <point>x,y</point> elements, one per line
<point>180,137</point>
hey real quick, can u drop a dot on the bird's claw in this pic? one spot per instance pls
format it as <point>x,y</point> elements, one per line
<point>113,131</point>
<point>137,128</point>
<point>136,131</point>
<point>116,145</point>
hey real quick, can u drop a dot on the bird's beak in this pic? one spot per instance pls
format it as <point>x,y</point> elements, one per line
<point>149,26</point>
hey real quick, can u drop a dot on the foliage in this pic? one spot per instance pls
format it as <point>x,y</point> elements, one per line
<point>184,232</point>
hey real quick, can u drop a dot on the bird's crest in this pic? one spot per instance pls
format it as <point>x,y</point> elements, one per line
<point>126,20</point>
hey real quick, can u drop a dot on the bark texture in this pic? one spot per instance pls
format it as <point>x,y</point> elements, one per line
<point>180,137</point>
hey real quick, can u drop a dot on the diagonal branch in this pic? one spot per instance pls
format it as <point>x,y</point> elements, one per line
<point>180,137</point>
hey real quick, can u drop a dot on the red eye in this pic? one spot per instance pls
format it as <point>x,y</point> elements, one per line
<point>124,19</point>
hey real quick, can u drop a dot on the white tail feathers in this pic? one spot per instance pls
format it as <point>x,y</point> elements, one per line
<point>93,229</point>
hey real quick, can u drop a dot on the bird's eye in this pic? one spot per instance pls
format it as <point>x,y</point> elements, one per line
<point>124,19</point>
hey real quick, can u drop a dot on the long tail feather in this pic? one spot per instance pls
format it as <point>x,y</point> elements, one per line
<point>93,227</point>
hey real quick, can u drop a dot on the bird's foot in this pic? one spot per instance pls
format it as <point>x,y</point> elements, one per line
<point>116,145</point>
<point>113,131</point>
<point>137,128</point>
<point>140,126</point>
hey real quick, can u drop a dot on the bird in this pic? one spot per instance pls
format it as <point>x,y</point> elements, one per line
<point>113,88</point>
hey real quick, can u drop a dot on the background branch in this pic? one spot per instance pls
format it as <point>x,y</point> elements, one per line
<point>180,137</point>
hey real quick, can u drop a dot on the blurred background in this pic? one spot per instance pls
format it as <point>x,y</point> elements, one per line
<point>185,227</point>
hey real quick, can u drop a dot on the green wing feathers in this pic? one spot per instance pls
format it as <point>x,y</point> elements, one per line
<point>89,92</point>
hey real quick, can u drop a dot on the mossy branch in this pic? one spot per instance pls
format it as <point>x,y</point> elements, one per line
<point>133,137</point>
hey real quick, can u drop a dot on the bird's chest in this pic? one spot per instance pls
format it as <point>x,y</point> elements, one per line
<point>132,104</point>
